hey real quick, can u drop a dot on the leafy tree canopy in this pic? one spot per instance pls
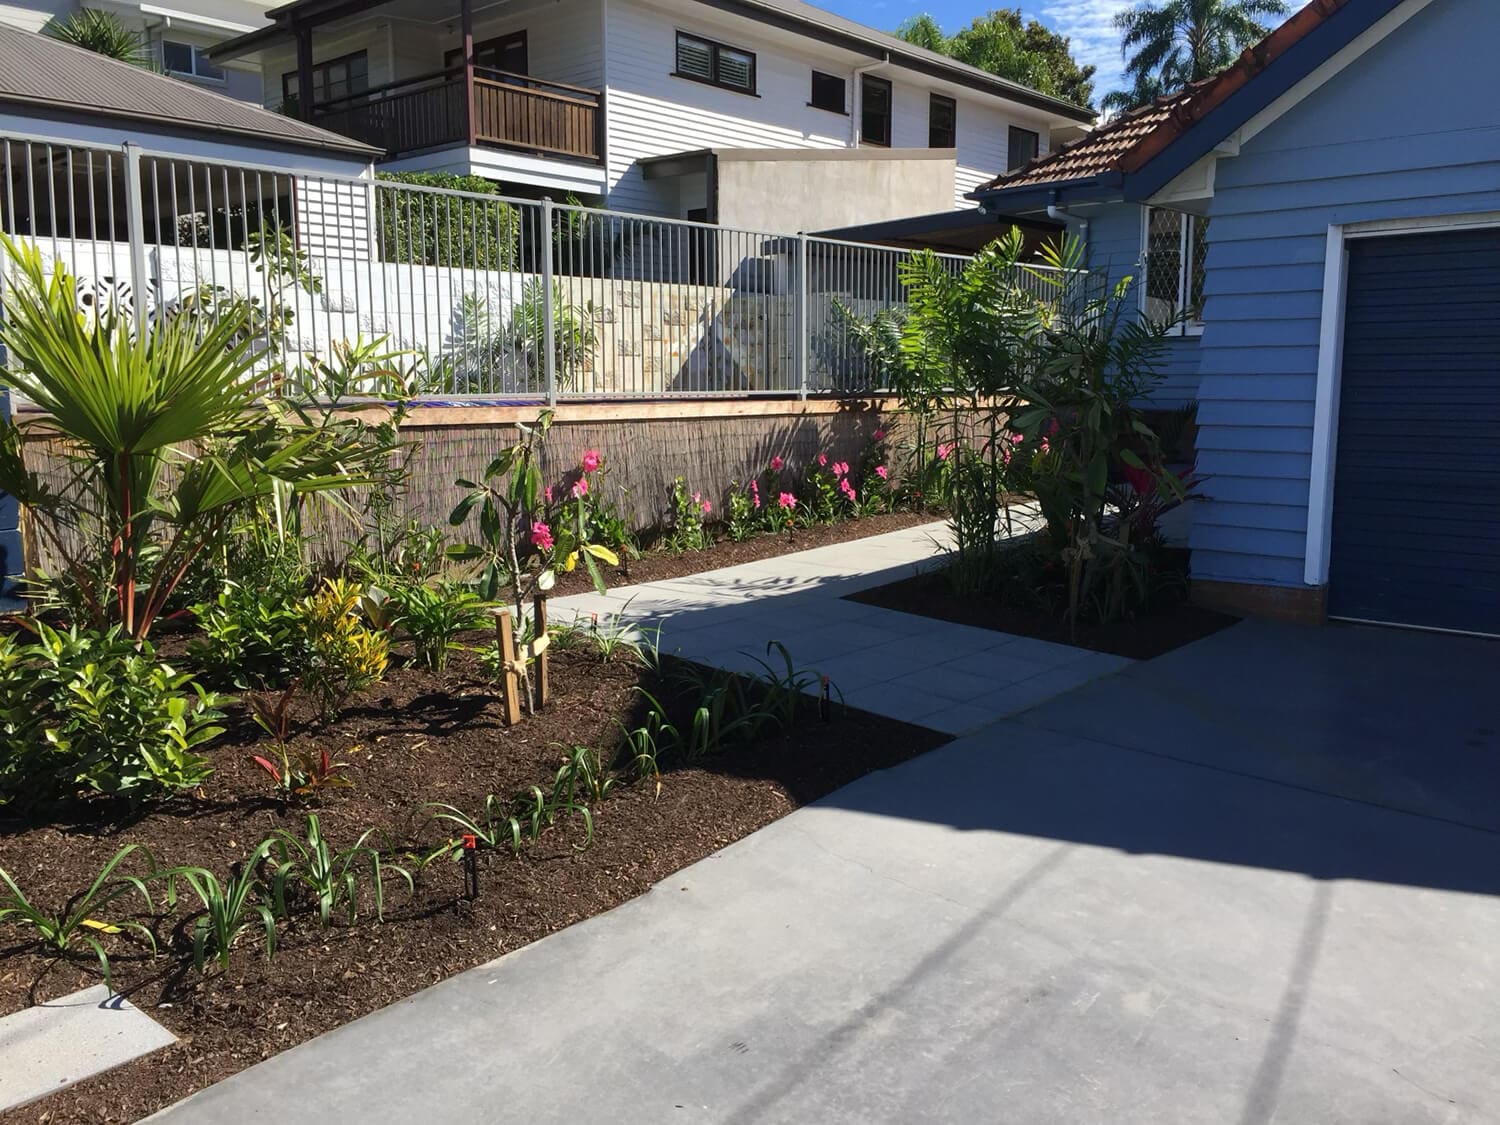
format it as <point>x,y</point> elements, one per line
<point>1004,43</point>
<point>1169,43</point>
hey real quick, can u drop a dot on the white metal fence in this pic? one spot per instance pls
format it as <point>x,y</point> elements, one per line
<point>485,296</point>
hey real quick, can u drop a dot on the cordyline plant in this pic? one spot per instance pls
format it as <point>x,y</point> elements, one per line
<point>166,442</point>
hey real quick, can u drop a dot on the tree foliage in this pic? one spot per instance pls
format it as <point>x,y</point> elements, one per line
<point>1169,43</point>
<point>1004,43</point>
<point>104,33</point>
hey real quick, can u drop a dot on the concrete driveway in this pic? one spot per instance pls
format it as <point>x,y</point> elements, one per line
<point>1253,881</point>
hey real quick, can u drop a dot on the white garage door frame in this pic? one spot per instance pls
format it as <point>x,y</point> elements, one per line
<point>1331,364</point>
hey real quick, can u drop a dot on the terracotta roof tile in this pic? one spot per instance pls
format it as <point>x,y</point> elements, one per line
<point>1127,142</point>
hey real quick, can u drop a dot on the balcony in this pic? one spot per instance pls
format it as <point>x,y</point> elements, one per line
<point>506,111</point>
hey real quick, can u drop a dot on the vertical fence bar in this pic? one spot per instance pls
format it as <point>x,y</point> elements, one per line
<point>135,219</point>
<point>549,327</point>
<point>803,327</point>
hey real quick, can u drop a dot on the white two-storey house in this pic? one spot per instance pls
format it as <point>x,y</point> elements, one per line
<point>762,112</point>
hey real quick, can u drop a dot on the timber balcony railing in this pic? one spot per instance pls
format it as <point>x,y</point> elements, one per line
<point>511,111</point>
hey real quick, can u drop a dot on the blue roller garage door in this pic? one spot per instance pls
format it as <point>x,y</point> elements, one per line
<point>1416,499</point>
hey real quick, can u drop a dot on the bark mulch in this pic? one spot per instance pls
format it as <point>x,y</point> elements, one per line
<point>1169,623</point>
<point>418,737</point>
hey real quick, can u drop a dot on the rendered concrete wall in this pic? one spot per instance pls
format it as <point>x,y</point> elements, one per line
<point>822,191</point>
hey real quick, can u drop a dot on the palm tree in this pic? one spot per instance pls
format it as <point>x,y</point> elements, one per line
<point>1176,42</point>
<point>1147,88</point>
<point>104,34</point>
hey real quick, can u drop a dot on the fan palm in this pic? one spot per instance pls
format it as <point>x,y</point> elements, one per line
<point>163,434</point>
<point>104,34</point>
<point>1176,42</point>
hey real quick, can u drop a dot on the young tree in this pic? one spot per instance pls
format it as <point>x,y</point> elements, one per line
<point>1004,43</point>
<point>1176,42</point>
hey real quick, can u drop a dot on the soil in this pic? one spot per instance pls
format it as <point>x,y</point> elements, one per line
<point>418,737</point>
<point>656,565</point>
<point>1169,623</point>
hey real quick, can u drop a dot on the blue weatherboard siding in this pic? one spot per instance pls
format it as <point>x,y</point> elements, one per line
<point>11,566</point>
<point>1115,250</point>
<point>1411,129</point>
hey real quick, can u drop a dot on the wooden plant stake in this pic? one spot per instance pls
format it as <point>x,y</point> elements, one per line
<point>505,633</point>
<point>539,650</point>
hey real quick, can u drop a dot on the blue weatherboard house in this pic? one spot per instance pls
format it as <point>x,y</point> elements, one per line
<point>1325,216</point>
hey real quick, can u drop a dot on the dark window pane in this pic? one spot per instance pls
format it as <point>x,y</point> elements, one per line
<point>736,68</point>
<point>942,122</point>
<point>695,58</point>
<point>176,57</point>
<point>827,92</point>
<point>204,67</point>
<point>875,111</point>
<point>1023,148</point>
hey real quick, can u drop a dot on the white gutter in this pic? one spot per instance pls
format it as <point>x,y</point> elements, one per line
<point>171,15</point>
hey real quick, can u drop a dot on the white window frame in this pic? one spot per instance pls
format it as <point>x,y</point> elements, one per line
<point>1184,266</point>
<point>198,52</point>
<point>1319,547</point>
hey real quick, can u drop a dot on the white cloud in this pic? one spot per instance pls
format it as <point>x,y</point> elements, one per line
<point>1090,24</point>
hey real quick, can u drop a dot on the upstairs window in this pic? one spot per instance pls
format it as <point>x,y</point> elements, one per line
<point>942,122</point>
<point>1176,248</point>
<point>874,111</point>
<point>334,79</point>
<point>703,60</point>
<point>1022,147</point>
<point>188,61</point>
<point>828,92</point>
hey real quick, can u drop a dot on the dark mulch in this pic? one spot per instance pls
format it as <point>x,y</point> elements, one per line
<point>1169,623</point>
<point>656,565</point>
<point>418,737</point>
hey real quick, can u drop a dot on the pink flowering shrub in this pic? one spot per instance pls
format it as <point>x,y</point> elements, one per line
<point>686,529</point>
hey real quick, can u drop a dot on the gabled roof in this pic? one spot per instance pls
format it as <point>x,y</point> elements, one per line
<point>1212,108</point>
<point>45,76</point>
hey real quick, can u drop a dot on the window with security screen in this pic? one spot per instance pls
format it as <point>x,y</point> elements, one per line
<point>1176,248</point>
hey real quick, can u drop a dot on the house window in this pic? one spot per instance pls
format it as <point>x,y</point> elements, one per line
<point>1176,247</point>
<point>504,52</point>
<point>1022,148</point>
<point>828,92</point>
<point>942,122</point>
<point>703,60</point>
<point>188,61</point>
<point>336,78</point>
<point>874,111</point>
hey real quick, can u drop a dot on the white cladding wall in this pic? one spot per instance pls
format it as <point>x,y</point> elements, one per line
<point>650,113</point>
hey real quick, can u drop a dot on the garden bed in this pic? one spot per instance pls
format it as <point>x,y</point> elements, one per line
<point>416,738</point>
<point>658,564</point>
<point>1168,623</point>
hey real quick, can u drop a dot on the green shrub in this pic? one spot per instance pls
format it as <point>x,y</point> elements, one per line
<point>96,711</point>
<point>433,616</point>
<point>442,230</point>
<point>253,637</point>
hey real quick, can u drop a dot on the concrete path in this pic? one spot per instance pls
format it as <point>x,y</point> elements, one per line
<point>951,678</point>
<point>1107,910</point>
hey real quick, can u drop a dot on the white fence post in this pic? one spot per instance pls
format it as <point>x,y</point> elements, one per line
<point>549,315</point>
<point>802,325</point>
<point>135,233</point>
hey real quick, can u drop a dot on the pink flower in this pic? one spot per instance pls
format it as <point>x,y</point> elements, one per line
<point>707,508</point>
<point>541,535</point>
<point>591,460</point>
<point>1142,480</point>
<point>1017,439</point>
<point>879,435</point>
<point>755,500</point>
<point>840,468</point>
<point>945,448</point>
<point>846,488</point>
<point>777,463</point>
<point>1045,447</point>
<point>882,472</point>
<point>787,500</point>
<point>580,488</point>
<point>547,492</point>
<point>822,459</point>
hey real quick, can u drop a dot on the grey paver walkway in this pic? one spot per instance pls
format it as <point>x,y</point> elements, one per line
<point>1083,915</point>
<point>948,677</point>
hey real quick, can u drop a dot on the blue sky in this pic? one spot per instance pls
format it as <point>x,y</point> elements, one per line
<point>1088,23</point>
